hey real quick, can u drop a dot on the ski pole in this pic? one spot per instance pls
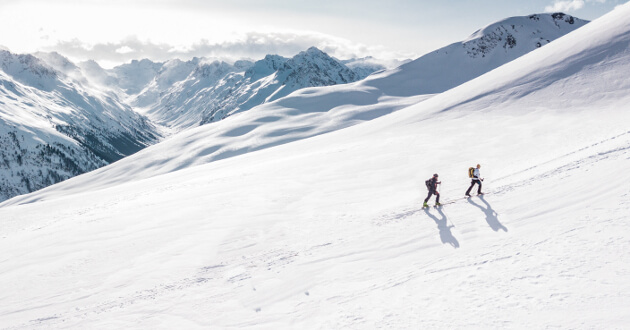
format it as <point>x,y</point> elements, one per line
<point>441,210</point>
<point>445,214</point>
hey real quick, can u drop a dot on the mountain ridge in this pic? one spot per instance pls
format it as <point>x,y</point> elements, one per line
<point>483,51</point>
<point>225,89</point>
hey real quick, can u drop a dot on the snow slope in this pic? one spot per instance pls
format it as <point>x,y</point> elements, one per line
<point>315,112</point>
<point>327,232</point>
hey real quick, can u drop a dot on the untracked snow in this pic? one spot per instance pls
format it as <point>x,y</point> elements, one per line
<point>328,232</point>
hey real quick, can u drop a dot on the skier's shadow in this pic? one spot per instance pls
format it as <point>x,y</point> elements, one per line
<point>491,216</point>
<point>445,230</point>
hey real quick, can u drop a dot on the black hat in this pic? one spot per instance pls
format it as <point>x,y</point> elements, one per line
<point>435,175</point>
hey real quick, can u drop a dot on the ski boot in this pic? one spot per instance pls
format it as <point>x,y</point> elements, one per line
<point>425,205</point>
<point>437,204</point>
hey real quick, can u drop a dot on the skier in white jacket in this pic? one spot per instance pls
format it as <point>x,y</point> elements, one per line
<point>476,179</point>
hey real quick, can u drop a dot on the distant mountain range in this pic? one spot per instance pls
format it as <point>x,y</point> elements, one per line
<point>59,119</point>
<point>197,92</point>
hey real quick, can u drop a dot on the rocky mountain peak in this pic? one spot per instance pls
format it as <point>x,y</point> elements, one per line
<point>57,61</point>
<point>28,70</point>
<point>265,67</point>
<point>216,69</point>
<point>316,68</point>
<point>526,31</point>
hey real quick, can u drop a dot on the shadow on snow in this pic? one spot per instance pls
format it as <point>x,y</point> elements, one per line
<point>491,216</point>
<point>445,230</point>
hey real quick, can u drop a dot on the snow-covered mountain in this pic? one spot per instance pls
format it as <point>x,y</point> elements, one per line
<point>54,124</point>
<point>328,232</point>
<point>485,50</point>
<point>368,65</point>
<point>134,76</point>
<point>188,94</point>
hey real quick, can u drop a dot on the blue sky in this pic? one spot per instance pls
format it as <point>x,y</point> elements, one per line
<point>116,31</point>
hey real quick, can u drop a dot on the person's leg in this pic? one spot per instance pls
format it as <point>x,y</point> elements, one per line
<point>437,198</point>
<point>472,183</point>
<point>426,200</point>
<point>479,189</point>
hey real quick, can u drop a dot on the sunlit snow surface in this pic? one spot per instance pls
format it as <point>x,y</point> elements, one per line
<point>328,232</point>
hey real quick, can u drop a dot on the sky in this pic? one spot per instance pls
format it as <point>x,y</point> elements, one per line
<point>112,32</point>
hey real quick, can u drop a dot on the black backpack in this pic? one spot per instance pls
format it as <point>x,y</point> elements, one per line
<point>429,184</point>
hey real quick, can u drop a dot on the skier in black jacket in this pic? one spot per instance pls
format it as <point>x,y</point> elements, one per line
<point>432,186</point>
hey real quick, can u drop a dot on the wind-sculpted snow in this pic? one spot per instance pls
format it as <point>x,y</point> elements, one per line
<point>328,232</point>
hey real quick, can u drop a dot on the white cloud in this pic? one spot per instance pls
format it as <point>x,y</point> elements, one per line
<point>252,45</point>
<point>569,5</point>
<point>562,6</point>
<point>124,50</point>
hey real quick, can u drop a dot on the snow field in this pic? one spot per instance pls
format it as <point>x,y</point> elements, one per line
<point>328,232</point>
<point>348,245</point>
